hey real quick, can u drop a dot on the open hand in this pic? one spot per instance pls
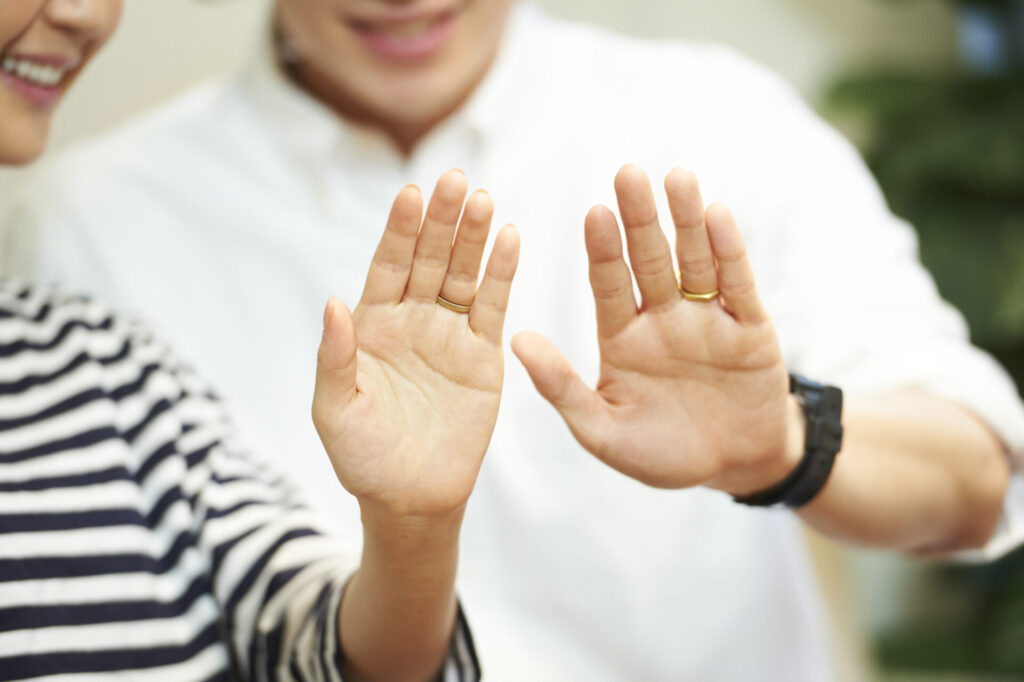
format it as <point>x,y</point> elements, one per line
<point>690,392</point>
<point>407,391</point>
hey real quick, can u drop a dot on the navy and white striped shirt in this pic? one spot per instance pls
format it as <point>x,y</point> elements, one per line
<point>133,535</point>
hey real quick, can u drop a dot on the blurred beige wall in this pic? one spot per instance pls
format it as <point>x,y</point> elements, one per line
<point>164,46</point>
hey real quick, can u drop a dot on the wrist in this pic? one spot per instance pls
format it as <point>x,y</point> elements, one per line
<point>822,408</point>
<point>780,464</point>
<point>386,528</point>
<point>796,438</point>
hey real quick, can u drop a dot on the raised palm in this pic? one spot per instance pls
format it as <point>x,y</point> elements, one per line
<point>690,392</point>
<point>407,391</point>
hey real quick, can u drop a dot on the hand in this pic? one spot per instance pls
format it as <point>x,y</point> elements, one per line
<point>690,392</point>
<point>407,391</point>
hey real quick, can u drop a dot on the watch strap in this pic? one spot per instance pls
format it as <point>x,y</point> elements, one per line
<point>822,407</point>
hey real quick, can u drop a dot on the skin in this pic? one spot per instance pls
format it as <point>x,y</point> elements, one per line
<point>32,27</point>
<point>444,383</point>
<point>398,611</point>
<point>406,400</point>
<point>404,100</point>
<point>695,393</point>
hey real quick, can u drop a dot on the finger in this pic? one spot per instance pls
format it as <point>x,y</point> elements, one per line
<point>434,246</point>
<point>460,282</point>
<point>609,275</point>
<point>392,262</point>
<point>697,272</point>
<point>735,275</point>
<point>335,365</point>
<point>649,254</point>
<point>487,316</point>
<point>559,384</point>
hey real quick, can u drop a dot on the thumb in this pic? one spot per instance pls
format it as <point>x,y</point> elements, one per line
<point>335,362</point>
<point>559,384</point>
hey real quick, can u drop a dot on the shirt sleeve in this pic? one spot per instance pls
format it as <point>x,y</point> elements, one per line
<point>277,578</point>
<point>850,299</point>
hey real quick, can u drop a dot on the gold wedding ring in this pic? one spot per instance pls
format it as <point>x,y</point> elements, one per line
<point>690,296</point>
<point>454,307</point>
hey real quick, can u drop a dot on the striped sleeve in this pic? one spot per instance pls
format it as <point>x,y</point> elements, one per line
<point>278,580</point>
<point>135,534</point>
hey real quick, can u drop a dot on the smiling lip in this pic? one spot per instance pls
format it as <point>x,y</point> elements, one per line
<point>43,95</point>
<point>406,37</point>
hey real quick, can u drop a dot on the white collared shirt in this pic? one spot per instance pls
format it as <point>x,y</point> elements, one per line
<point>230,216</point>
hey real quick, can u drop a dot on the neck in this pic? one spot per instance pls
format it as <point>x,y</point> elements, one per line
<point>406,132</point>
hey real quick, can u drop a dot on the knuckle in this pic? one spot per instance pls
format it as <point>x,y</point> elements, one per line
<point>608,292</point>
<point>605,257</point>
<point>642,220</point>
<point>391,265</point>
<point>563,385</point>
<point>735,255</point>
<point>498,307</point>
<point>461,279</point>
<point>738,288</point>
<point>474,234</point>
<point>652,265</point>
<point>697,267</point>
<point>433,259</point>
<point>500,272</point>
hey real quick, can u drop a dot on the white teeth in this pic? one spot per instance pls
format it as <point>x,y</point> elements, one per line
<point>33,72</point>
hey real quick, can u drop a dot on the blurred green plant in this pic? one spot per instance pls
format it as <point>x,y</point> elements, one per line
<point>948,151</point>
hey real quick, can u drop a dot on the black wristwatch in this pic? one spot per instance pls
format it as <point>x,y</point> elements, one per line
<point>823,409</point>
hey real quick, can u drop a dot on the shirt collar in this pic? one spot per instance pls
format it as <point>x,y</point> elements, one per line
<point>314,133</point>
<point>494,101</point>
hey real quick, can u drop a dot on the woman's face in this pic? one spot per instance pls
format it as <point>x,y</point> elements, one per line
<point>44,44</point>
<point>400,64</point>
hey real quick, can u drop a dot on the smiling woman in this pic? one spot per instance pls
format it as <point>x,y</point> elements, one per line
<point>44,46</point>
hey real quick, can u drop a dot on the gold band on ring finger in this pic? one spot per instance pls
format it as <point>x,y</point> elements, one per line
<point>451,305</point>
<point>704,298</point>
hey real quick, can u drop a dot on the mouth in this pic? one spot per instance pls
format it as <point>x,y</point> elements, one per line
<point>38,78</point>
<point>398,27</point>
<point>405,35</point>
